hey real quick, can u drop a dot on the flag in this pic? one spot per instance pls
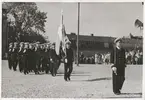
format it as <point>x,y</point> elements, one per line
<point>61,38</point>
<point>64,39</point>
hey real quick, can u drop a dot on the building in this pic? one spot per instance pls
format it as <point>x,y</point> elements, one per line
<point>90,45</point>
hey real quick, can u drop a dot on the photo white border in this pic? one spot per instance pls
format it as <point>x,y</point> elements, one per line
<point>143,81</point>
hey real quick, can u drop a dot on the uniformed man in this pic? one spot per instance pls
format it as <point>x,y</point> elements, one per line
<point>42,57</point>
<point>36,58</point>
<point>20,54</point>
<point>118,67</point>
<point>68,65</point>
<point>30,57</point>
<point>45,60</point>
<point>38,54</point>
<point>25,53</point>
<point>53,60</point>
<point>15,56</point>
<point>9,55</point>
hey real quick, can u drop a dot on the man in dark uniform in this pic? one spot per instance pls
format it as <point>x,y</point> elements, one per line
<point>53,60</point>
<point>20,54</point>
<point>118,67</point>
<point>30,58</point>
<point>36,58</point>
<point>45,60</point>
<point>25,58</point>
<point>68,64</point>
<point>42,57</point>
<point>9,55</point>
<point>15,56</point>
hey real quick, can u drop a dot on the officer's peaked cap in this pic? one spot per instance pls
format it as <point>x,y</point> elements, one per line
<point>117,39</point>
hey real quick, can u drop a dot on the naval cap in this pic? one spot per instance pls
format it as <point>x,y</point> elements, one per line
<point>117,39</point>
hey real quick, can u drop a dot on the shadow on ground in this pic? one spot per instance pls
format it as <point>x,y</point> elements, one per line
<point>72,75</point>
<point>128,95</point>
<point>96,79</point>
<point>100,79</point>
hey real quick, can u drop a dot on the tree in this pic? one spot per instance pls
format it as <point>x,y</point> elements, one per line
<point>139,24</point>
<point>28,19</point>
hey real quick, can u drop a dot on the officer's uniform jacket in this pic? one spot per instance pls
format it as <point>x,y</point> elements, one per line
<point>69,55</point>
<point>118,60</point>
<point>53,55</point>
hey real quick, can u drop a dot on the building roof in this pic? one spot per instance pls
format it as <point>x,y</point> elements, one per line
<point>102,39</point>
<point>91,38</point>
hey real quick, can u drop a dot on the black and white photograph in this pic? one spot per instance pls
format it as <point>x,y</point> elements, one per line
<point>72,50</point>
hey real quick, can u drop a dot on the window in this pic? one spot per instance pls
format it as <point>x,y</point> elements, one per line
<point>106,45</point>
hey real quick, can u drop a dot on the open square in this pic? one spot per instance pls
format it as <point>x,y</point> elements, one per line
<point>87,81</point>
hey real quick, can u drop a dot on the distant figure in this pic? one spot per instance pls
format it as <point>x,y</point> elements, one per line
<point>107,58</point>
<point>81,57</point>
<point>96,56</point>
<point>118,67</point>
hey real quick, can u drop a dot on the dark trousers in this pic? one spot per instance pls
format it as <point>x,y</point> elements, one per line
<point>14,64</point>
<point>53,68</point>
<point>117,82</point>
<point>39,62</point>
<point>36,65</point>
<point>14,61</point>
<point>68,68</point>
<point>10,62</point>
<point>21,63</point>
<point>45,65</point>
<point>25,59</point>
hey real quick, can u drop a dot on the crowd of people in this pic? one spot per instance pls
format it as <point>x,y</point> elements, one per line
<point>132,57</point>
<point>33,57</point>
<point>98,58</point>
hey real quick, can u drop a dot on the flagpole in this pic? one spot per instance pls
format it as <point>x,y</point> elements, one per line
<point>62,16</point>
<point>78,34</point>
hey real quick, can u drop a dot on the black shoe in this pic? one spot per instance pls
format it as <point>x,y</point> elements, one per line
<point>117,93</point>
<point>65,78</point>
<point>10,68</point>
<point>68,78</point>
<point>25,73</point>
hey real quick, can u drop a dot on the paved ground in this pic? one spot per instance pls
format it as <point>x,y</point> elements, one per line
<point>87,81</point>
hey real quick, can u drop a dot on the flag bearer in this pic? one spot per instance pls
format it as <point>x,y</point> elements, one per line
<point>68,65</point>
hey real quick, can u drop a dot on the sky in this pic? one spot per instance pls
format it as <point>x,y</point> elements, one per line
<point>101,19</point>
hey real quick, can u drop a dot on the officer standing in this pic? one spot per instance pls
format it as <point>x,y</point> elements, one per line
<point>68,65</point>
<point>118,67</point>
